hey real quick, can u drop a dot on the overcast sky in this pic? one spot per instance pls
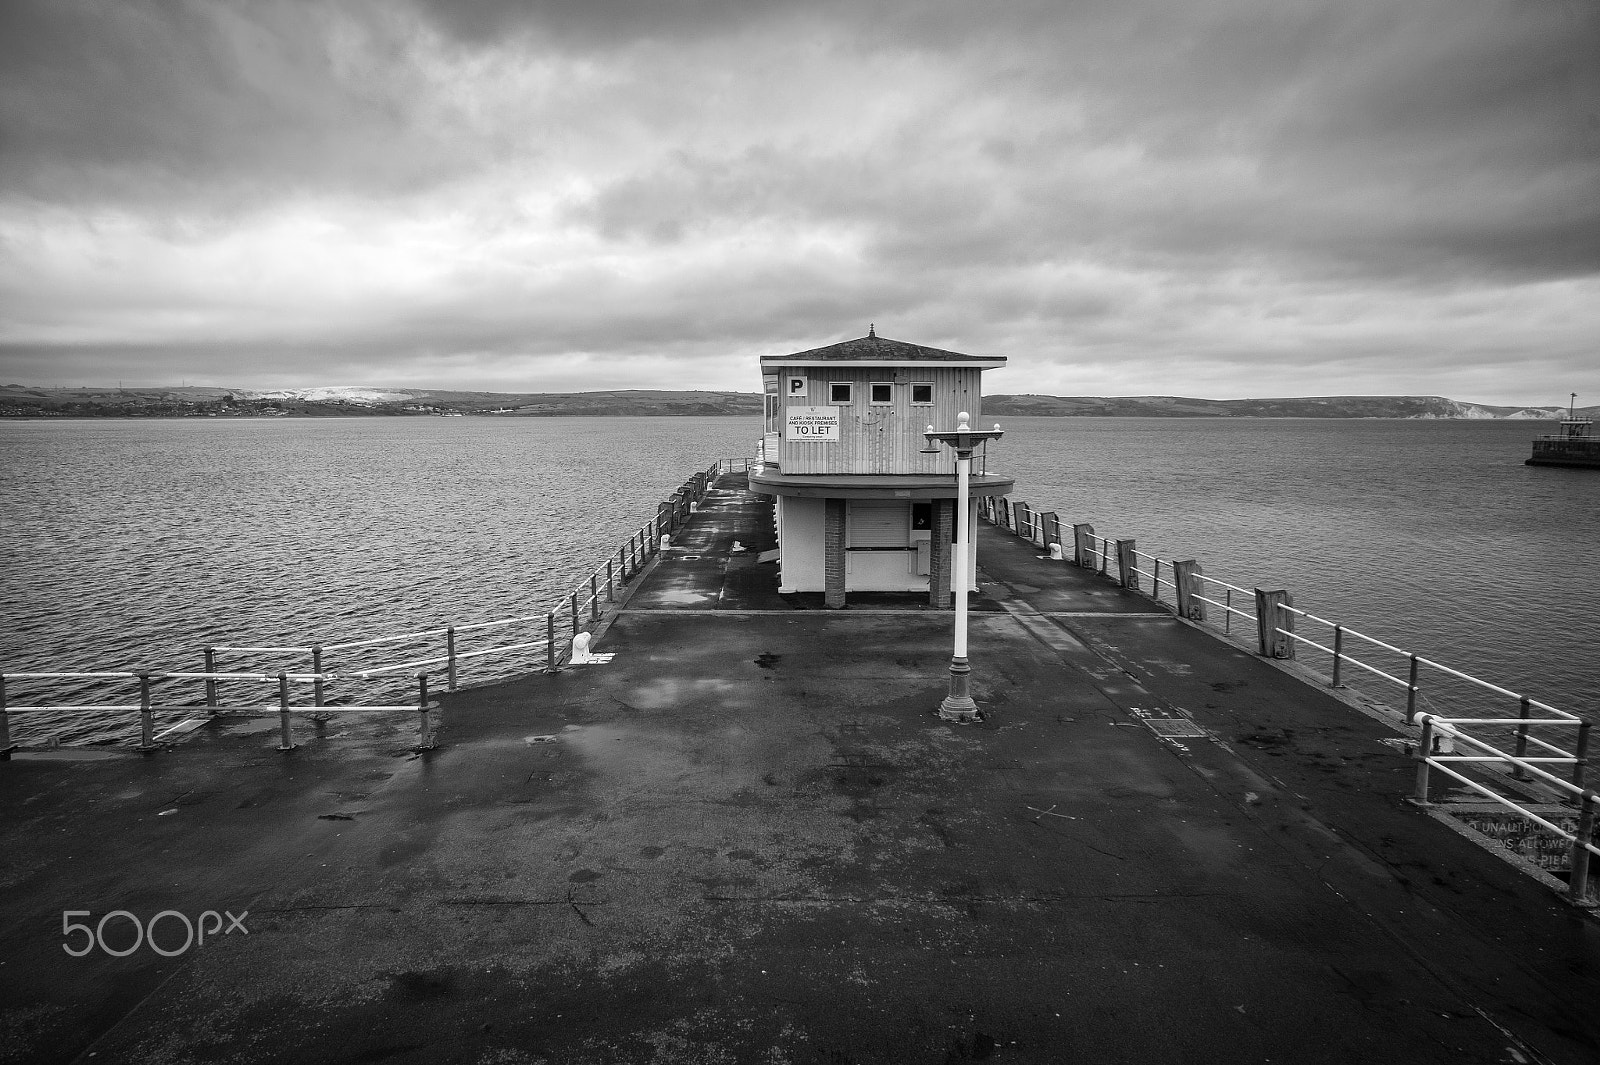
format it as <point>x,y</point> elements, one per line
<point>1219,198</point>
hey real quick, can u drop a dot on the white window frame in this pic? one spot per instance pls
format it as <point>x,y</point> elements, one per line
<point>848,386</point>
<point>915,402</point>
<point>872,388</point>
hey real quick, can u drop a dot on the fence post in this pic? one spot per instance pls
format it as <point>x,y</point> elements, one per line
<point>425,732</point>
<point>550,642</point>
<point>1083,545</point>
<point>285,737</point>
<point>316,667</point>
<point>1185,579</point>
<point>450,653</point>
<point>1127,564</point>
<point>147,734</point>
<point>1155,580</point>
<point>1227,613</point>
<point>1338,654</point>
<point>211,682</point>
<point>574,602</point>
<point>1411,693</point>
<point>1525,711</point>
<point>1424,750</point>
<point>611,584</point>
<point>1273,623</point>
<point>1581,754</point>
<point>1052,528</point>
<point>1578,879</point>
<point>594,597</point>
<point>5,724</point>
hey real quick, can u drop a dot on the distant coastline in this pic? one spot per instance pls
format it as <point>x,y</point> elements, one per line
<point>17,401</point>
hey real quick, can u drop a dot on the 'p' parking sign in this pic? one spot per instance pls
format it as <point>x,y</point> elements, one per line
<point>797,387</point>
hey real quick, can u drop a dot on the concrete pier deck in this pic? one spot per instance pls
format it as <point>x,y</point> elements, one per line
<point>748,838</point>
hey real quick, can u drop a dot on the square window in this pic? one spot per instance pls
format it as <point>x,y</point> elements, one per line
<point>839,392</point>
<point>882,392</point>
<point>922,395</point>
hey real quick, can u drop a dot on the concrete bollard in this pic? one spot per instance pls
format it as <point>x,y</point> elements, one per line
<point>1127,564</point>
<point>666,542</point>
<point>1186,576</point>
<point>580,649</point>
<point>1055,553</point>
<point>1083,545</point>
<point>1273,623</point>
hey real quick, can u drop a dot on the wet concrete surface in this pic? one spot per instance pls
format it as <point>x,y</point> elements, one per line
<point>748,838</point>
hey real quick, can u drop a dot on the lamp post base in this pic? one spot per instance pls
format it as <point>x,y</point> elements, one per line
<point>958,705</point>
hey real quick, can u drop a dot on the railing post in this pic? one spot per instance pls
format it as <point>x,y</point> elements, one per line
<point>1052,528</point>
<point>1273,623</point>
<point>450,653</point>
<point>611,584</point>
<point>211,682</point>
<point>1155,580</point>
<point>1186,581</point>
<point>5,724</point>
<point>1126,564</point>
<point>285,737</point>
<point>1338,654</point>
<point>316,667</point>
<point>425,730</point>
<point>1578,878</point>
<point>1424,750</point>
<point>147,725</point>
<point>573,600</point>
<point>550,642</point>
<point>594,597</point>
<point>1581,754</point>
<point>1101,543</point>
<point>1411,693</point>
<point>1524,711</point>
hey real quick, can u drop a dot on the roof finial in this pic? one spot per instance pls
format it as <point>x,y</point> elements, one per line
<point>872,329</point>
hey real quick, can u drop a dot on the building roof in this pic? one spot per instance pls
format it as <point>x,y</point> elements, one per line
<point>876,349</point>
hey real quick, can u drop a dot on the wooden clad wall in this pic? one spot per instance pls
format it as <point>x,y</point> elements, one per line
<point>877,438</point>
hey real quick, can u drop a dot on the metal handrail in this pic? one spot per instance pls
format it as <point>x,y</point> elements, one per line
<point>1097,551</point>
<point>584,604</point>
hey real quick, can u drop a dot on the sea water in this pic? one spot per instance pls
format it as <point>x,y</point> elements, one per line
<point>135,543</point>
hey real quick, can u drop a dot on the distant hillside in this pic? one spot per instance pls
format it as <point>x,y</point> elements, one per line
<point>18,401</point>
<point>208,402</point>
<point>1422,407</point>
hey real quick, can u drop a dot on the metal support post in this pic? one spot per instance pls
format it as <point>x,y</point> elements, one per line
<point>1411,693</point>
<point>450,653</point>
<point>594,597</point>
<point>1578,879</point>
<point>316,667</point>
<point>573,602</point>
<point>6,746</point>
<point>1424,750</point>
<point>1525,711</point>
<point>285,736</point>
<point>550,643</point>
<point>211,682</point>
<point>147,725</point>
<point>425,731</point>
<point>1127,564</point>
<point>1581,754</point>
<point>1338,654</point>
<point>611,583</point>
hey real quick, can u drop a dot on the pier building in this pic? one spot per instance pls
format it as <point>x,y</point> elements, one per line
<point>862,503</point>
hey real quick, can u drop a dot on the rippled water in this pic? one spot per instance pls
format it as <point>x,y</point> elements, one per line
<point>130,543</point>
<point>1430,535</point>
<point>136,543</point>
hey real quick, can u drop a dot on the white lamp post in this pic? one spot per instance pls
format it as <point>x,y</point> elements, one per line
<point>958,705</point>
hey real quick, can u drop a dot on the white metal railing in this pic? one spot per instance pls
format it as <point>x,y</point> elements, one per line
<point>1140,570</point>
<point>554,632</point>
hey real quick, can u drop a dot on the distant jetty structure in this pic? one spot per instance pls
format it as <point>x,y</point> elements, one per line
<point>1574,445</point>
